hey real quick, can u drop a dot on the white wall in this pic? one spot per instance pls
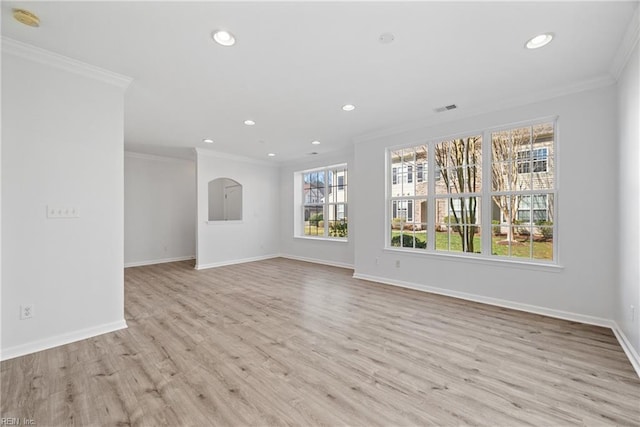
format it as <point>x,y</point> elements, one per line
<point>629,192</point>
<point>331,252</point>
<point>256,236</point>
<point>216,193</point>
<point>584,287</point>
<point>159,209</point>
<point>62,145</point>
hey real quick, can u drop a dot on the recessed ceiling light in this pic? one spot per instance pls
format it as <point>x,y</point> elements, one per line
<point>315,142</point>
<point>271,154</point>
<point>208,140</point>
<point>539,41</point>
<point>249,122</point>
<point>224,38</point>
<point>27,18</point>
<point>348,107</point>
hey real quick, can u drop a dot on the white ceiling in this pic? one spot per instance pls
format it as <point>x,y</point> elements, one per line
<point>296,63</point>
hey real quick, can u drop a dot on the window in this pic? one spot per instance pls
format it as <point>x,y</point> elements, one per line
<point>539,210</point>
<point>403,209</point>
<point>532,160</point>
<point>458,194</point>
<point>408,198</point>
<point>421,172</point>
<point>489,194</point>
<point>324,202</point>
<point>523,190</point>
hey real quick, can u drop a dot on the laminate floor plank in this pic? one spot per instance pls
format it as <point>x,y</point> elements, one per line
<point>282,342</point>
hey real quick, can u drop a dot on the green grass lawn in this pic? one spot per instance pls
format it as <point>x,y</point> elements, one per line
<point>313,230</point>
<point>446,242</point>
<point>520,249</point>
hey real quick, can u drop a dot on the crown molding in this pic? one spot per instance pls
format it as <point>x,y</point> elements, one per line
<point>220,155</point>
<point>43,56</point>
<point>629,42</point>
<point>462,113</point>
<point>146,156</point>
<point>338,156</point>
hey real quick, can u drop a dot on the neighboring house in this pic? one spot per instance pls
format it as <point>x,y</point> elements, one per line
<point>317,193</point>
<point>313,194</point>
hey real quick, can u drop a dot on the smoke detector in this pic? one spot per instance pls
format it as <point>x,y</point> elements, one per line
<point>27,18</point>
<point>386,38</point>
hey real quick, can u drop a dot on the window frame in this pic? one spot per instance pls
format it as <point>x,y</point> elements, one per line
<point>326,204</point>
<point>430,172</point>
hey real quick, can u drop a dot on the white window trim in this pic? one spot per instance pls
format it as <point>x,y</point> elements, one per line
<point>299,203</point>
<point>485,195</point>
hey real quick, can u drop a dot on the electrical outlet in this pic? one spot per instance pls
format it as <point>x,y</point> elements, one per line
<point>397,263</point>
<point>633,313</point>
<point>377,261</point>
<point>26,311</point>
<point>62,212</point>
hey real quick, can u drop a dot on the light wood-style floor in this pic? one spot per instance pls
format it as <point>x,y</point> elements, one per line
<point>283,342</point>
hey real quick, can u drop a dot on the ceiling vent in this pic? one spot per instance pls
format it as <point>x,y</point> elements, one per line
<point>446,108</point>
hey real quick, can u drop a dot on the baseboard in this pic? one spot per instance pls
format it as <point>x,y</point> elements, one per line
<point>318,261</point>
<point>628,349</point>
<point>58,340</point>
<point>235,261</point>
<point>631,352</point>
<point>157,261</point>
<point>559,314</point>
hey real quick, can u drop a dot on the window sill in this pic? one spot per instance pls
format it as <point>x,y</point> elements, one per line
<point>229,221</point>
<point>479,259</point>
<point>324,239</point>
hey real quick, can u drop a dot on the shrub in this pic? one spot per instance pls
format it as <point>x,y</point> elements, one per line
<point>451,222</point>
<point>497,231</point>
<point>408,241</point>
<point>320,224</point>
<point>523,231</point>
<point>546,229</point>
<point>455,227</point>
<point>313,219</point>
<point>338,229</point>
<point>396,223</point>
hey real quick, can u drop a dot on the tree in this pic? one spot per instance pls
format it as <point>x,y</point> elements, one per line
<point>507,169</point>
<point>459,161</point>
<point>504,171</point>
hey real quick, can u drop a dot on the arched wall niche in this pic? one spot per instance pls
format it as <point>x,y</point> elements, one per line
<point>225,200</point>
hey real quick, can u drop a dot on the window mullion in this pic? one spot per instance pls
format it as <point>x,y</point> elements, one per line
<point>431,204</point>
<point>388,200</point>
<point>487,188</point>
<point>325,208</point>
